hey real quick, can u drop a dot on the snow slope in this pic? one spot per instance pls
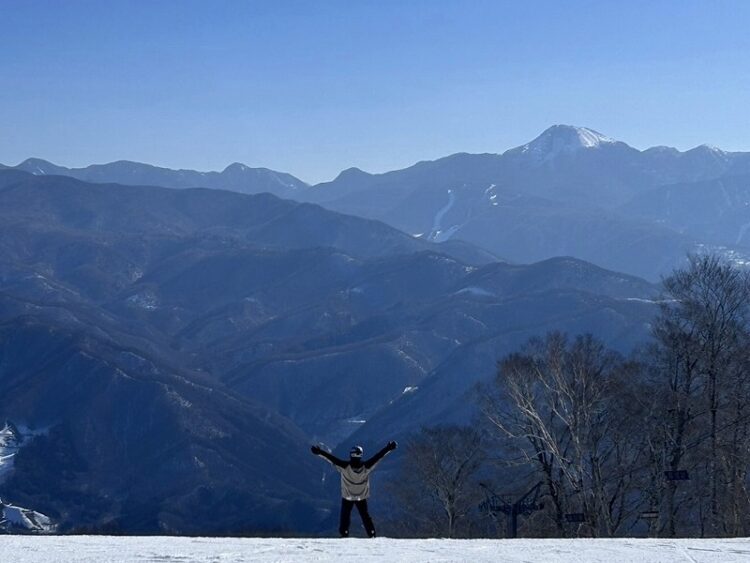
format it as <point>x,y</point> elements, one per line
<point>90,549</point>
<point>18,517</point>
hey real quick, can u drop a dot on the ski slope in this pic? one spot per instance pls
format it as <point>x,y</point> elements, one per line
<point>99,549</point>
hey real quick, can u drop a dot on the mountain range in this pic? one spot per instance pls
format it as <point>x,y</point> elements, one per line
<point>172,341</point>
<point>173,352</point>
<point>570,192</point>
<point>235,177</point>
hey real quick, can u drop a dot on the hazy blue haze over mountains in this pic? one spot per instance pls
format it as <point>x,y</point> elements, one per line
<point>235,328</point>
<point>571,191</point>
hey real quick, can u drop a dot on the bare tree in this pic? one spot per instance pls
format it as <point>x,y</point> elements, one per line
<point>611,438</point>
<point>563,403</point>
<point>674,395</point>
<point>701,340</point>
<point>436,478</point>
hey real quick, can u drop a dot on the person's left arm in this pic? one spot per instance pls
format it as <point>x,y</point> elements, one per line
<point>370,463</point>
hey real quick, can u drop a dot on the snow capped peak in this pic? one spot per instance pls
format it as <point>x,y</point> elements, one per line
<point>561,139</point>
<point>569,134</point>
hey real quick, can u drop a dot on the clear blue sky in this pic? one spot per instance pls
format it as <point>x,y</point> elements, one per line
<point>315,87</point>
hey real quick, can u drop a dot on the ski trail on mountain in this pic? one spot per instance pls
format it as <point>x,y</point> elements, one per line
<point>437,233</point>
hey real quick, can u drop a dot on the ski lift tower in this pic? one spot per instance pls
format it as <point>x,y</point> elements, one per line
<point>512,507</point>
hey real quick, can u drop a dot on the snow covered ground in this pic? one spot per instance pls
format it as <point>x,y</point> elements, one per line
<point>99,549</point>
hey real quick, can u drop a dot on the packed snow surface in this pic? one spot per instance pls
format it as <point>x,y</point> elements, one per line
<point>90,549</point>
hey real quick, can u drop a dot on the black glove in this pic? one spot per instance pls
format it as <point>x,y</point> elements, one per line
<point>392,445</point>
<point>316,450</point>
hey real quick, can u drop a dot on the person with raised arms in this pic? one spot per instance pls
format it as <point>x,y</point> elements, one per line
<point>355,483</point>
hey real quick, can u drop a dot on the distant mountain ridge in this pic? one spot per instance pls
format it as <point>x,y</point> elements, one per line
<point>541,199</point>
<point>567,192</point>
<point>557,140</point>
<point>236,177</point>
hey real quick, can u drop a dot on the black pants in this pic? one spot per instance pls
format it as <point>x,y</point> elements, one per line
<point>346,516</point>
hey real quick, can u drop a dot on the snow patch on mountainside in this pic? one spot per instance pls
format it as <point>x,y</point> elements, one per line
<point>474,290</point>
<point>145,300</point>
<point>642,300</point>
<point>736,257</point>
<point>16,518</point>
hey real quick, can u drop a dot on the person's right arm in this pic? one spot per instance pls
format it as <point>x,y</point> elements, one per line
<point>330,458</point>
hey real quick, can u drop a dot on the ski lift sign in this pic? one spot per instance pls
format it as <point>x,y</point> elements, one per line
<point>678,475</point>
